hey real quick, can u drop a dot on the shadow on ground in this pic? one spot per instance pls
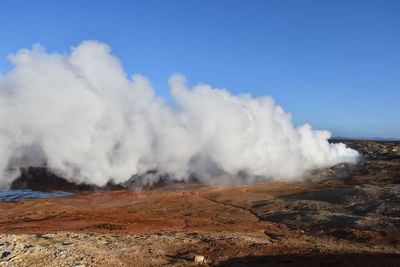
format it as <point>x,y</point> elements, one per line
<point>351,260</point>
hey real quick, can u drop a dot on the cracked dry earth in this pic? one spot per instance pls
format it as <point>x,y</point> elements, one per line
<point>342,216</point>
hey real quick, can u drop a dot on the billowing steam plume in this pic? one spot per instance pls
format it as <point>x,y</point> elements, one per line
<point>80,115</point>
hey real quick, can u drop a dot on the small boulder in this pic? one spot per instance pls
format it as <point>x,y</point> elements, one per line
<point>198,259</point>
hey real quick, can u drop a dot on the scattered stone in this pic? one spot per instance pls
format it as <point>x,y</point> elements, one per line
<point>198,259</point>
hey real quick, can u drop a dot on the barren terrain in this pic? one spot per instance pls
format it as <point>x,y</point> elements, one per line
<point>341,216</point>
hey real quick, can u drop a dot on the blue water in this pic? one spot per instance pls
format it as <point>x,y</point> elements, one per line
<point>18,195</point>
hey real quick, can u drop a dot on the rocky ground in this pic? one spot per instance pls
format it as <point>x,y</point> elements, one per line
<point>341,216</point>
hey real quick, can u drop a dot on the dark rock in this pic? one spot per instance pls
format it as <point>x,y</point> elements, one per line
<point>360,207</point>
<point>5,254</point>
<point>40,178</point>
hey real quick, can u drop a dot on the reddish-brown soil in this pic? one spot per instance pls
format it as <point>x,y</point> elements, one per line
<point>125,212</point>
<point>228,231</point>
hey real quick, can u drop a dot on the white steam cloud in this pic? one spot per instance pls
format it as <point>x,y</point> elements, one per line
<point>82,116</point>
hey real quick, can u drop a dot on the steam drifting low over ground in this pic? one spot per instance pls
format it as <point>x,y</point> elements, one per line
<point>81,115</point>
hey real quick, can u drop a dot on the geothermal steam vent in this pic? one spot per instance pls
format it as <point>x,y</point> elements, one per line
<point>82,116</point>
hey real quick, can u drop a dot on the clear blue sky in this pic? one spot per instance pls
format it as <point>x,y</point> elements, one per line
<point>334,64</point>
